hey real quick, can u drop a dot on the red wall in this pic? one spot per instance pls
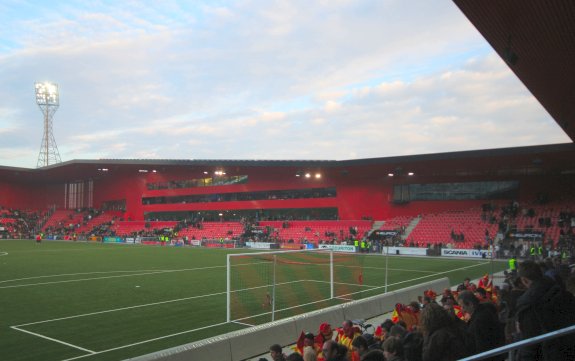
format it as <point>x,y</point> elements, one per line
<point>360,192</point>
<point>30,195</point>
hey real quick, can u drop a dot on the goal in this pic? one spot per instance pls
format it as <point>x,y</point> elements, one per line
<point>265,286</point>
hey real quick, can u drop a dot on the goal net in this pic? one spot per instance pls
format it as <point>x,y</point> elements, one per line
<point>266,286</point>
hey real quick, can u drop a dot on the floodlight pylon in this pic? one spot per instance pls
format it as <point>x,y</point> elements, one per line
<point>48,101</point>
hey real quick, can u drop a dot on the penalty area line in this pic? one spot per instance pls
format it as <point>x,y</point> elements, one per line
<point>147,341</point>
<point>242,323</point>
<point>54,340</point>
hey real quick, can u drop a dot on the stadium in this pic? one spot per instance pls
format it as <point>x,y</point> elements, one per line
<point>153,254</point>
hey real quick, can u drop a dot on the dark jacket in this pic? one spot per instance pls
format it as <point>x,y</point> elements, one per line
<point>445,344</point>
<point>484,330</point>
<point>543,308</point>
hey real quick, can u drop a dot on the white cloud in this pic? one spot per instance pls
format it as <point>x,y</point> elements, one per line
<point>260,79</point>
<point>332,106</point>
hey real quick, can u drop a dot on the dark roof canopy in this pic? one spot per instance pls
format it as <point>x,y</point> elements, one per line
<point>537,41</point>
<point>536,160</point>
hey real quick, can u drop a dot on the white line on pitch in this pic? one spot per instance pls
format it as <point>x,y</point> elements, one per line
<point>144,305</point>
<point>107,277</point>
<point>243,323</point>
<point>79,274</point>
<point>121,309</point>
<point>341,283</point>
<point>53,339</point>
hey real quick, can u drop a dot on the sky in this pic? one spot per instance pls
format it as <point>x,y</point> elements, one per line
<point>257,79</point>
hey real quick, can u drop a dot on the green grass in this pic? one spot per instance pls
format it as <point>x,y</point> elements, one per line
<point>121,301</point>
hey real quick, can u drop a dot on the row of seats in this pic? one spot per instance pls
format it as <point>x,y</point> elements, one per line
<point>474,225</point>
<point>314,231</point>
<point>469,226</point>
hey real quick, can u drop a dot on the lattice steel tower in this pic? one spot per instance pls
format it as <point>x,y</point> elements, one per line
<point>48,100</point>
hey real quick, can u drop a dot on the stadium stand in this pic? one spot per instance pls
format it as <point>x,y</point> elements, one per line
<point>316,231</point>
<point>463,229</point>
<point>213,230</point>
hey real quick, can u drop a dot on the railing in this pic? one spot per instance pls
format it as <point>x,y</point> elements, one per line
<point>517,345</point>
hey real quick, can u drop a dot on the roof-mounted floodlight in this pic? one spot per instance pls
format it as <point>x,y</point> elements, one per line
<point>47,94</point>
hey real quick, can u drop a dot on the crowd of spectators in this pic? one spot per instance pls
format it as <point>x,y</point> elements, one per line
<point>534,299</point>
<point>19,224</point>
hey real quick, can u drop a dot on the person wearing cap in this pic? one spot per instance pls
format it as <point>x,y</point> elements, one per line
<point>485,283</point>
<point>325,334</point>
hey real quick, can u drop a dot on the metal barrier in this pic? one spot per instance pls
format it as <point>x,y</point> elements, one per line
<point>517,345</point>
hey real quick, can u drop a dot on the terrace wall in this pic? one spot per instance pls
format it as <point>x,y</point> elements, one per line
<point>243,344</point>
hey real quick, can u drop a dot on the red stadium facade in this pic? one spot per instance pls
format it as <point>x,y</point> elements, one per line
<point>350,190</point>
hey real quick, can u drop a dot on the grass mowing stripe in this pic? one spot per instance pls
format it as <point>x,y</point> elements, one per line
<point>92,273</point>
<point>101,278</point>
<point>398,269</point>
<point>139,306</point>
<point>121,309</point>
<point>418,278</point>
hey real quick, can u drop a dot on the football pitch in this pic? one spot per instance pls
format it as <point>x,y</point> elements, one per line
<point>92,301</point>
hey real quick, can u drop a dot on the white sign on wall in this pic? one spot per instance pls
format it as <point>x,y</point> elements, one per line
<point>473,253</point>
<point>337,247</point>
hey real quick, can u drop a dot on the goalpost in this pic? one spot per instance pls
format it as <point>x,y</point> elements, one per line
<point>265,286</point>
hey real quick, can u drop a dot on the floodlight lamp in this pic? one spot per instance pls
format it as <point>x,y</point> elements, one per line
<point>410,173</point>
<point>318,175</point>
<point>47,94</point>
<point>390,174</point>
<point>307,175</point>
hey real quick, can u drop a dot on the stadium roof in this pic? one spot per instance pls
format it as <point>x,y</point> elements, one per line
<point>536,160</point>
<point>537,41</point>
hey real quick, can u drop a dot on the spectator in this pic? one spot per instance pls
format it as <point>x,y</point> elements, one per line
<point>443,340</point>
<point>393,349</point>
<point>325,334</point>
<point>413,346</point>
<point>484,331</point>
<point>333,351</point>
<point>544,307</point>
<point>382,331</point>
<point>359,346</point>
<point>309,350</point>
<point>347,334</point>
<point>398,332</point>
<point>276,353</point>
